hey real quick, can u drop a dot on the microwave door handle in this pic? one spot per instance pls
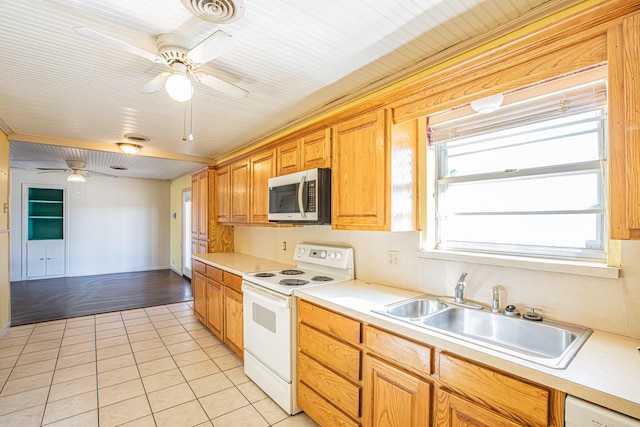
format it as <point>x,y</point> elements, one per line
<point>302,192</point>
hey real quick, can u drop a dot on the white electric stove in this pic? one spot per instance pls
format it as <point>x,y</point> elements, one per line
<point>270,316</point>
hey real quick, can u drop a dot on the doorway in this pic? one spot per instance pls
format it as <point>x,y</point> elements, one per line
<point>186,233</point>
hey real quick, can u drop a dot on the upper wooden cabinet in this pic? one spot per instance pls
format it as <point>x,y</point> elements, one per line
<point>307,152</point>
<point>240,181</point>
<point>242,189</point>
<point>624,128</point>
<point>374,173</point>
<point>207,235</point>
<point>263,167</point>
<point>360,196</point>
<point>223,182</point>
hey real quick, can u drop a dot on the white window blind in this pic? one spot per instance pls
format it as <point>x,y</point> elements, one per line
<point>527,179</point>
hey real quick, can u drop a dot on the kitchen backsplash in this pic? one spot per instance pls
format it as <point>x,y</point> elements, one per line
<point>609,305</point>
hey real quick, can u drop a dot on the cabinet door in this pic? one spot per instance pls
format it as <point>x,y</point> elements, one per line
<point>233,323</point>
<point>393,397</point>
<point>263,167</point>
<point>55,258</point>
<point>223,180</point>
<point>195,206</point>
<point>240,192</point>
<point>199,289</point>
<point>360,197</point>
<point>36,258</point>
<point>315,150</point>
<point>203,205</point>
<point>454,411</point>
<point>215,307</point>
<point>288,157</point>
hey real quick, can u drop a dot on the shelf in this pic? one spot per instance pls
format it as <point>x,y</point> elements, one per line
<point>45,214</point>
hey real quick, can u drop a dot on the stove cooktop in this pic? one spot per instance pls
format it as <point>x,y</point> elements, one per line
<point>317,265</point>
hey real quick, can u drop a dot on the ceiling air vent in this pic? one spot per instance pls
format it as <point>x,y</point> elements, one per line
<point>136,138</point>
<point>216,11</point>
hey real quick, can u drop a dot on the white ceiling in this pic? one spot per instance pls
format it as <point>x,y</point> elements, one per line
<point>295,57</point>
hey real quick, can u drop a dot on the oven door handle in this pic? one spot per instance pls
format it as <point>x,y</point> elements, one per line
<point>266,296</point>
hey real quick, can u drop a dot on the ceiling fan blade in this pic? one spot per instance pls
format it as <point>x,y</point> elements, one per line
<point>156,84</point>
<point>54,169</point>
<point>213,46</point>
<point>220,85</point>
<point>118,44</point>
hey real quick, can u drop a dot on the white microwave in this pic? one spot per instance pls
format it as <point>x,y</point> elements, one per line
<point>301,197</point>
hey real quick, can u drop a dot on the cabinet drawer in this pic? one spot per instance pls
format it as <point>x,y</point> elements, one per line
<point>232,280</point>
<point>330,322</point>
<point>330,385</point>
<point>320,410</point>
<point>524,402</point>
<point>341,357</point>
<point>199,267</point>
<point>214,273</point>
<point>404,352</point>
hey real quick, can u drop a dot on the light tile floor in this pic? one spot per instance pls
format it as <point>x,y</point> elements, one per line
<point>157,366</point>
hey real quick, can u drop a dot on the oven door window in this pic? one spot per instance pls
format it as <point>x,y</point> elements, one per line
<point>264,317</point>
<point>284,199</point>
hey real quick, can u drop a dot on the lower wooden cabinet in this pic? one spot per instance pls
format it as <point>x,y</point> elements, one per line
<point>215,307</point>
<point>217,302</point>
<point>233,322</point>
<point>453,411</point>
<point>198,290</point>
<point>329,366</point>
<point>351,373</point>
<point>393,397</point>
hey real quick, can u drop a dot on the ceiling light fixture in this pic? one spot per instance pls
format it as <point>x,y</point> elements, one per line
<point>129,148</point>
<point>76,177</point>
<point>489,104</point>
<point>178,85</point>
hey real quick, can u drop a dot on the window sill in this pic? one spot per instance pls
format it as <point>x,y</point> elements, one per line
<point>538,264</point>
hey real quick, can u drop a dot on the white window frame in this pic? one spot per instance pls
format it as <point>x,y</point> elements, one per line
<point>565,265</point>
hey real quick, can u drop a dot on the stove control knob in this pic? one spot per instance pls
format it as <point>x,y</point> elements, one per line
<point>300,251</point>
<point>323,254</point>
<point>332,255</point>
<point>338,255</point>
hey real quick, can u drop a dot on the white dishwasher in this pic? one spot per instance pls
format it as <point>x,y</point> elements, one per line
<point>579,413</point>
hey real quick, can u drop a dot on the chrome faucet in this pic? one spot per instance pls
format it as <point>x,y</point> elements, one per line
<point>495,301</point>
<point>460,286</point>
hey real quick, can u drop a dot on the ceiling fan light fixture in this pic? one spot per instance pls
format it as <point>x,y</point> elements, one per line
<point>129,148</point>
<point>76,177</point>
<point>179,87</point>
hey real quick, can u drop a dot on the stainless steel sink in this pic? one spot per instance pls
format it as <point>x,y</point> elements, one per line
<point>413,309</point>
<point>549,343</point>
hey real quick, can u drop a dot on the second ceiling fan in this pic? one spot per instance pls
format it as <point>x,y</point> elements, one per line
<point>183,62</point>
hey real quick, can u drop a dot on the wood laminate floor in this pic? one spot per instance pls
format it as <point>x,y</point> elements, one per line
<point>52,299</point>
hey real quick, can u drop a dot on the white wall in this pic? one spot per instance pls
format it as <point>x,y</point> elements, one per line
<point>611,305</point>
<point>114,225</point>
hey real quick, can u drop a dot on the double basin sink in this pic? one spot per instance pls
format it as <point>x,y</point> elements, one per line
<point>549,343</point>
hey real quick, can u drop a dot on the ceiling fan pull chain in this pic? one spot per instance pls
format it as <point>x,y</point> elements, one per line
<point>184,127</point>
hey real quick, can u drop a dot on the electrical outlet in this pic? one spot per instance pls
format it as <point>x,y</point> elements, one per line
<point>284,246</point>
<point>393,258</point>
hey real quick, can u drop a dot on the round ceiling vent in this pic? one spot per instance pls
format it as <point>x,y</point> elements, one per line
<point>216,11</point>
<point>136,138</point>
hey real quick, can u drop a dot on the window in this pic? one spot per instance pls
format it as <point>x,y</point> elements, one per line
<point>528,179</point>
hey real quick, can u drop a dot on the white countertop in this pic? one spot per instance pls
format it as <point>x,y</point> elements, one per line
<point>240,263</point>
<point>606,370</point>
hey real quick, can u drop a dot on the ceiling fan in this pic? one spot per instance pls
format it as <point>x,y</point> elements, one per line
<point>78,169</point>
<point>183,62</point>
